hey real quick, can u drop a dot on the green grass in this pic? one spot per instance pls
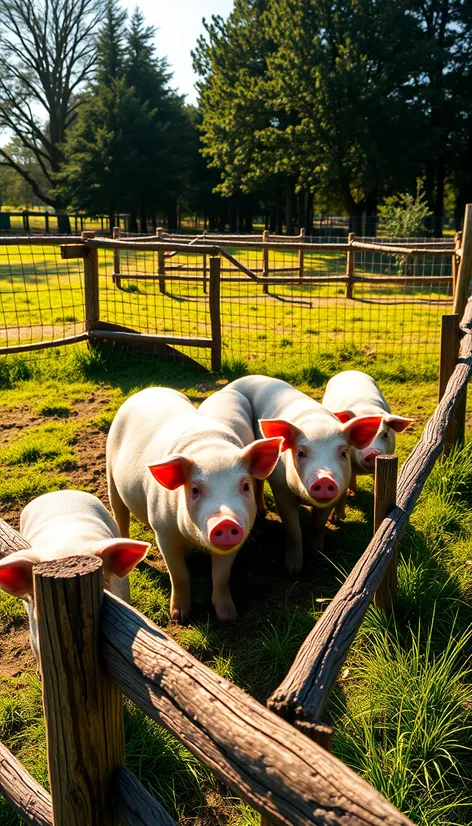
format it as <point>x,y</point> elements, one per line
<point>401,708</point>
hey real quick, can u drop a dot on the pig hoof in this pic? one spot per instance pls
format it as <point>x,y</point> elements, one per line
<point>226,611</point>
<point>333,517</point>
<point>293,565</point>
<point>350,492</point>
<point>179,612</point>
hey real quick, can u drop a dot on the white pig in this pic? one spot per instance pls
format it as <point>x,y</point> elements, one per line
<point>315,467</point>
<point>62,524</point>
<point>233,410</point>
<point>190,479</point>
<point>353,393</point>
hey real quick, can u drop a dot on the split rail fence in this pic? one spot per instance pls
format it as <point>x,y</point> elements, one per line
<point>220,298</point>
<point>94,648</point>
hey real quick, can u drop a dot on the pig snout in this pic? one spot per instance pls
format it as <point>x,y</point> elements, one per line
<point>368,458</point>
<point>323,489</point>
<point>225,533</point>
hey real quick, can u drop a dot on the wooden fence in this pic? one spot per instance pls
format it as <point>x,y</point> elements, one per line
<point>215,260</point>
<point>94,648</point>
<point>37,221</point>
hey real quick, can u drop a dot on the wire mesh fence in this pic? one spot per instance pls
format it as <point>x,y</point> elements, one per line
<point>281,304</point>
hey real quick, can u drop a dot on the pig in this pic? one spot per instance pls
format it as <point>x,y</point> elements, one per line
<point>233,410</point>
<point>62,524</point>
<point>315,467</point>
<point>353,393</point>
<point>191,479</point>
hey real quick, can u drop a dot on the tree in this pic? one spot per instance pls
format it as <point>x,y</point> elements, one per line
<point>47,52</point>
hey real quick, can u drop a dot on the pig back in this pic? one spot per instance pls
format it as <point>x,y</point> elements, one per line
<point>66,522</point>
<point>233,410</point>
<point>356,391</point>
<point>276,399</point>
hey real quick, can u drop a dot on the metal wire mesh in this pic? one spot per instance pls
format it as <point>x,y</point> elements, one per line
<point>41,295</point>
<point>292,310</point>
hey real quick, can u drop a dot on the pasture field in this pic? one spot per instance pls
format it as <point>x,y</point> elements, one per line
<point>42,298</point>
<point>402,706</point>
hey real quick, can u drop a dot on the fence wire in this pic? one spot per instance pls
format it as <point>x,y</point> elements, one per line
<point>300,315</point>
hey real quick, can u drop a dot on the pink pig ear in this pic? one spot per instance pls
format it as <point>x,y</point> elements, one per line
<point>16,573</point>
<point>262,456</point>
<point>344,415</point>
<point>397,423</point>
<point>361,430</point>
<point>120,556</point>
<point>279,427</point>
<point>172,472</point>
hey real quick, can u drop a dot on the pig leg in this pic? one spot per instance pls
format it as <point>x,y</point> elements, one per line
<point>289,511</point>
<point>221,597</point>
<point>319,518</point>
<point>118,507</point>
<point>352,489</point>
<point>339,511</point>
<point>259,496</point>
<point>174,557</point>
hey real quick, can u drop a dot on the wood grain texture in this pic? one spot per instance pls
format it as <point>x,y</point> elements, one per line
<point>215,312</point>
<point>450,340</point>
<point>10,540</point>
<point>465,267</point>
<point>304,691</point>
<point>134,805</point>
<point>385,499</point>
<point>28,798</point>
<point>83,710</point>
<point>281,773</point>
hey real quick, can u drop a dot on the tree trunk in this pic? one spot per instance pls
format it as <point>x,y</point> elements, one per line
<point>142,218</point>
<point>172,216</point>
<point>438,217</point>
<point>133,219</point>
<point>63,223</point>
<point>289,207</point>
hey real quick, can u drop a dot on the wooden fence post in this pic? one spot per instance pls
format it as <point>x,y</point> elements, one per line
<point>215,312</point>
<point>91,296</point>
<point>46,221</point>
<point>161,265</point>
<point>83,709</point>
<point>265,261</point>
<point>385,499</point>
<point>350,261</point>
<point>465,266</point>
<point>116,258</point>
<point>455,261</point>
<point>450,342</point>
<point>205,273</point>
<point>301,254</point>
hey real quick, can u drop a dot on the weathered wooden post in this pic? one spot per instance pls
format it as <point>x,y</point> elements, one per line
<point>450,341</point>
<point>385,499</point>
<point>455,260</point>
<point>215,312</point>
<point>83,709</point>
<point>465,267</point>
<point>91,296</point>
<point>265,260</point>
<point>350,262</point>
<point>301,254</point>
<point>116,258</point>
<point>46,221</point>
<point>161,265</point>
<point>205,273</point>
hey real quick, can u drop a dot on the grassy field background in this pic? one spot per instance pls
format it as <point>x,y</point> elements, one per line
<point>402,706</point>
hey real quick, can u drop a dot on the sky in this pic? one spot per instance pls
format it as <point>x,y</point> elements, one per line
<point>178,24</point>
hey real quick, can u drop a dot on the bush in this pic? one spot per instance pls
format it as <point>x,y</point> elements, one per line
<point>404,215</point>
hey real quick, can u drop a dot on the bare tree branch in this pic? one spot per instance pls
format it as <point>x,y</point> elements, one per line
<point>47,52</point>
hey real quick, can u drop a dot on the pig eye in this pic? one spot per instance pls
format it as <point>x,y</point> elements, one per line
<point>195,492</point>
<point>344,453</point>
<point>246,487</point>
<point>301,454</point>
<point>385,435</point>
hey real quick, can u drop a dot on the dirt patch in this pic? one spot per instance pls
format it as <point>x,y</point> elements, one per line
<point>13,422</point>
<point>16,656</point>
<point>90,470</point>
